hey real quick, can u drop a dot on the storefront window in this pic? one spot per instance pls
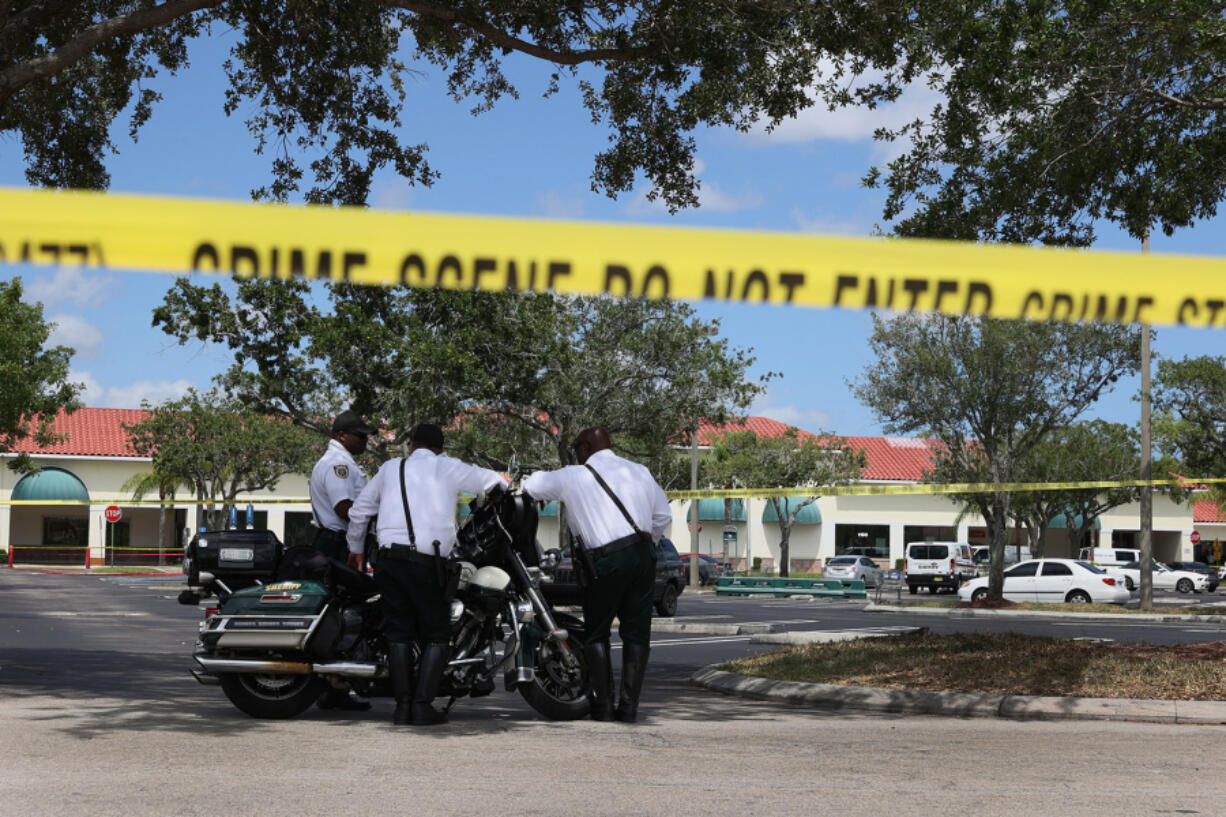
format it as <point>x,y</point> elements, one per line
<point>872,541</point>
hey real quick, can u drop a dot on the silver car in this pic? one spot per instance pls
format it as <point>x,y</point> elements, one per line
<point>855,567</point>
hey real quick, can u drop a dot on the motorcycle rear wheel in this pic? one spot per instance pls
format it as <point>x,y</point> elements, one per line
<point>555,692</point>
<point>270,695</point>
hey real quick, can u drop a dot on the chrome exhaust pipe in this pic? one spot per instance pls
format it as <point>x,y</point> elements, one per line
<point>350,669</point>
<point>346,669</point>
<point>238,665</point>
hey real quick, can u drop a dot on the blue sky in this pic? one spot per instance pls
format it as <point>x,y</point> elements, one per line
<point>530,157</point>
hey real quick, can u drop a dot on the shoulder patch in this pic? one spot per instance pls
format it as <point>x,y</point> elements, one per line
<point>341,471</point>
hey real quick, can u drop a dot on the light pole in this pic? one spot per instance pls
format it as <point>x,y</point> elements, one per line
<point>1147,490</point>
<point>694,505</point>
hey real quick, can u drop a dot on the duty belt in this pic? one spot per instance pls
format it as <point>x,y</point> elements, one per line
<point>617,544</point>
<point>406,553</point>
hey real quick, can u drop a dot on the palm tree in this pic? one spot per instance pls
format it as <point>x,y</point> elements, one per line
<point>166,485</point>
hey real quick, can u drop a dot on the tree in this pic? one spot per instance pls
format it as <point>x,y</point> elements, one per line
<point>166,486</point>
<point>221,448</point>
<point>1060,114</point>
<point>523,372</point>
<point>742,459</point>
<point>324,79</point>
<point>1190,396</point>
<point>991,391</point>
<point>1091,451</point>
<point>35,378</point>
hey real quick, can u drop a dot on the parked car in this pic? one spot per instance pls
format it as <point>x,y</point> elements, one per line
<point>1109,557</point>
<point>1053,580</point>
<point>561,587</point>
<point>982,554</point>
<point>709,568</point>
<point>938,565</point>
<point>1182,581</point>
<point>1199,567</point>
<point>855,567</point>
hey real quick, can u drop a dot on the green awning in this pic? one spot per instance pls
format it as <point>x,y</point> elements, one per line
<point>51,485</point>
<point>1061,523</point>
<point>712,510</point>
<point>809,514</point>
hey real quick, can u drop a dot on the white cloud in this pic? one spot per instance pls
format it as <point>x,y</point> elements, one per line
<point>803,417</point>
<point>129,396</point>
<point>154,391</point>
<point>553,204</point>
<point>857,123</point>
<point>824,223</point>
<point>69,285</point>
<point>77,333</point>
<point>391,194</point>
<point>91,394</point>
<point>712,197</point>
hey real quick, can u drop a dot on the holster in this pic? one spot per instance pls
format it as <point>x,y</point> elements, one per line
<point>585,566</point>
<point>451,578</point>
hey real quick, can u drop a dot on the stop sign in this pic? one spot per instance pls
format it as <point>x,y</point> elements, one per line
<point>112,513</point>
<point>1195,537</point>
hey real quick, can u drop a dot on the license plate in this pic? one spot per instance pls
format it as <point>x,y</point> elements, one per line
<point>938,578</point>
<point>237,554</point>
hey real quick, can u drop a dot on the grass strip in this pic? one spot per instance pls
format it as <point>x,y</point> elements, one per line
<point>1003,664</point>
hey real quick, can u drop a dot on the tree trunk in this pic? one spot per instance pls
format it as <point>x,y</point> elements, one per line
<point>785,533</point>
<point>997,518</point>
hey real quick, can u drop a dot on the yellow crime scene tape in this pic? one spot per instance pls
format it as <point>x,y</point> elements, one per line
<point>177,235</point>
<point>911,489</point>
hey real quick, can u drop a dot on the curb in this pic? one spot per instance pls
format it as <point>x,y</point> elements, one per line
<point>967,612</point>
<point>836,698</point>
<point>670,625</point>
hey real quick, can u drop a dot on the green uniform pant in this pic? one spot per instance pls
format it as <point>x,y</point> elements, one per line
<point>623,588</point>
<point>412,601</point>
<point>331,544</point>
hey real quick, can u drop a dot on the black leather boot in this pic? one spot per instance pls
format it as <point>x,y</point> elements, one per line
<point>434,657</point>
<point>600,674</point>
<point>342,698</point>
<point>400,665</point>
<point>634,666</point>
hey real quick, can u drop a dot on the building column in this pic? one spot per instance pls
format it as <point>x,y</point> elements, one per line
<point>898,547</point>
<point>97,535</point>
<point>5,530</point>
<point>964,531</point>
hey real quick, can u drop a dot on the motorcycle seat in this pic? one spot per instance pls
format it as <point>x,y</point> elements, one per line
<point>306,563</point>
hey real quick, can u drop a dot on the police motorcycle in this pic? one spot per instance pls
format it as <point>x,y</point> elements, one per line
<point>287,624</point>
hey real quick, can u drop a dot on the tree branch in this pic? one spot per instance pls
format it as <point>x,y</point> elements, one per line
<point>435,11</point>
<point>17,76</point>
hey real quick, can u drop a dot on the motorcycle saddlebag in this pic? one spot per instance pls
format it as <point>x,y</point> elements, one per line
<point>279,616</point>
<point>237,557</point>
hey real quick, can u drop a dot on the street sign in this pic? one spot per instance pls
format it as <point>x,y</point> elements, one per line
<point>1195,537</point>
<point>112,513</point>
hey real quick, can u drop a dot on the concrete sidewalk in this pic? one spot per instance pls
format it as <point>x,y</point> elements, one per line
<point>838,698</point>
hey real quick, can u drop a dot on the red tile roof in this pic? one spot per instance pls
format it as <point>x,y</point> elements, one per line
<point>1207,511</point>
<point>91,432</point>
<point>889,458</point>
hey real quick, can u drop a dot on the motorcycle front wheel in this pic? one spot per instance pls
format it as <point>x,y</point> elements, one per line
<point>272,695</point>
<point>557,691</point>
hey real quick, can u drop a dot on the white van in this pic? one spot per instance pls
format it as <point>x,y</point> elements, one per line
<point>937,565</point>
<point>1110,557</point>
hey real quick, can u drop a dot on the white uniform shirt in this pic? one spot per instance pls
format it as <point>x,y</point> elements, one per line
<point>591,512</point>
<point>335,478</point>
<point>433,483</point>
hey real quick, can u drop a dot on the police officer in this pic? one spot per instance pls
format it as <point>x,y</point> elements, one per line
<point>336,481</point>
<point>415,498</point>
<point>618,512</point>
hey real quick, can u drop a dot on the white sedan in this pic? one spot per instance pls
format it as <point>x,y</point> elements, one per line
<point>1184,581</point>
<point>1053,580</point>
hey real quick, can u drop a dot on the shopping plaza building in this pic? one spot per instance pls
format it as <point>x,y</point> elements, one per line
<point>60,514</point>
